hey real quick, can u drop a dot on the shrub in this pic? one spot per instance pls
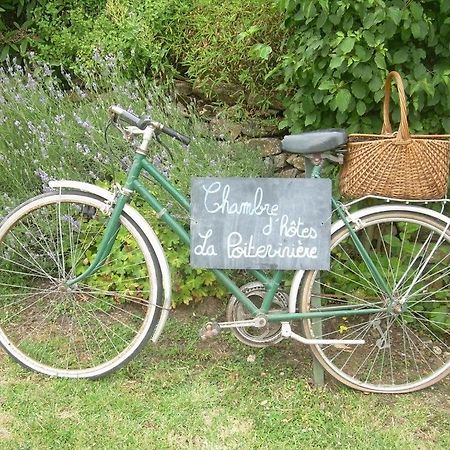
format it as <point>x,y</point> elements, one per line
<point>237,42</point>
<point>138,34</point>
<point>48,132</point>
<point>337,59</point>
<point>20,20</point>
<point>15,18</point>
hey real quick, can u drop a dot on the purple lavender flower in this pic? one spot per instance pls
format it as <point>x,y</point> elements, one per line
<point>96,55</point>
<point>45,178</point>
<point>81,122</point>
<point>72,221</point>
<point>82,148</point>
<point>47,71</point>
<point>59,118</point>
<point>31,82</point>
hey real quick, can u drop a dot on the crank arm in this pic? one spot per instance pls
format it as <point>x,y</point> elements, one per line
<point>257,322</point>
<point>287,332</point>
<point>212,329</point>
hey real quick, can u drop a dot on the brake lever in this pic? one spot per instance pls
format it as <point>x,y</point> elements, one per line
<point>160,142</point>
<point>105,134</point>
<point>115,124</point>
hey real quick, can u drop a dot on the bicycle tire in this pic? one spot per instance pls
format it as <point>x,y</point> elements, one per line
<point>408,348</point>
<point>95,327</point>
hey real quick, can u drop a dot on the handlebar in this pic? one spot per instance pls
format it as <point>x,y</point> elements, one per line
<point>145,121</point>
<point>174,134</point>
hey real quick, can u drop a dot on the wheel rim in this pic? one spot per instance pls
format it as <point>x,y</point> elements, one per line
<point>407,348</point>
<point>82,331</point>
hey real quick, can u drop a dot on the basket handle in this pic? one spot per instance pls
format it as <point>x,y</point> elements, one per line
<point>403,130</point>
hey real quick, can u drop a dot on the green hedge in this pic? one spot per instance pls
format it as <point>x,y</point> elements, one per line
<point>139,35</point>
<point>331,56</point>
<point>236,42</point>
<point>20,22</point>
<point>341,51</point>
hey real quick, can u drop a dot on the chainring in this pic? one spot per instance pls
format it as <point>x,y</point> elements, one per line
<point>256,337</point>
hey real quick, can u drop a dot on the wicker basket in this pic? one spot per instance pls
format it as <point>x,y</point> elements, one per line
<point>396,165</point>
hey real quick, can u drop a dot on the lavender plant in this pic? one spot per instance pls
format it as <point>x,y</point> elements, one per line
<point>53,130</point>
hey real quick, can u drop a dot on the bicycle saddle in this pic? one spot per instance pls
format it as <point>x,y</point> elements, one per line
<point>314,141</point>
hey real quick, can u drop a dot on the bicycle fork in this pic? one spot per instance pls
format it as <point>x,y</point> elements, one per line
<point>113,224</point>
<point>112,228</point>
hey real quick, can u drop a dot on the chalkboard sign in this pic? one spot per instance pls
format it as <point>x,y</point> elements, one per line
<point>260,223</point>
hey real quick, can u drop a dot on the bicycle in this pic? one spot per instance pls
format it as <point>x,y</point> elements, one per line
<point>86,283</point>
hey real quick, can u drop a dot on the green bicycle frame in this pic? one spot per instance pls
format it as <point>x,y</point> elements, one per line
<point>271,284</point>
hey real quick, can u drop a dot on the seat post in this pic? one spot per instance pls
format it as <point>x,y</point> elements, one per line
<point>313,165</point>
<point>318,373</point>
<point>316,170</point>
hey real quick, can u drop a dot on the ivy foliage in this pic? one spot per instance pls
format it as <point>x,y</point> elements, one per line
<point>16,17</point>
<point>341,51</point>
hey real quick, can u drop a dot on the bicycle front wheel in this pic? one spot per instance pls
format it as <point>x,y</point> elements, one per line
<point>83,331</point>
<point>408,343</point>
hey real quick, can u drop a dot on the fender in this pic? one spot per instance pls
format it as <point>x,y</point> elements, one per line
<point>298,276</point>
<point>147,230</point>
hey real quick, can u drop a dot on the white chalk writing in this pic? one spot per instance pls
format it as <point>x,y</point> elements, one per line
<point>205,249</point>
<point>217,201</point>
<point>260,223</point>
<point>238,248</point>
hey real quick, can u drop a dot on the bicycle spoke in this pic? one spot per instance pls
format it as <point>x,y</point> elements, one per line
<point>357,272</point>
<point>88,329</point>
<point>406,346</point>
<point>39,267</point>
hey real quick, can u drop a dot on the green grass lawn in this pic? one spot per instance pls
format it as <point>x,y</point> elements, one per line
<point>188,394</point>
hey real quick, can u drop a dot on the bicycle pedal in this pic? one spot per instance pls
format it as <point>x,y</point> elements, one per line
<point>210,330</point>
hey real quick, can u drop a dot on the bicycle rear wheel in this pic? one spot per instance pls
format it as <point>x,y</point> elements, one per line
<point>87,330</point>
<point>408,347</point>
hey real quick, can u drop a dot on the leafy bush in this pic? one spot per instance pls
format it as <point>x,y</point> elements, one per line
<point>20,22</point>
<point>236,42</point>
<point>15,20</point>
<point>48,133</point>
<point>139,34</point>
<point>337,59</point>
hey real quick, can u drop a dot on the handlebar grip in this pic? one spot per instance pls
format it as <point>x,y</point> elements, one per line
<point>172,133</point>
<point>128,117</point>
